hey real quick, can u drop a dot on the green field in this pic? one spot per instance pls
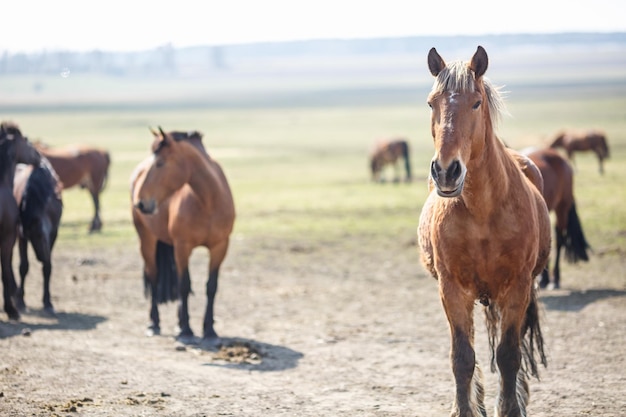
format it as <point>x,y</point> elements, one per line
<point>300,170</point>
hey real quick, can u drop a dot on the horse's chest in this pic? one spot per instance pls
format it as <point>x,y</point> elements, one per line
<point>471,248</point>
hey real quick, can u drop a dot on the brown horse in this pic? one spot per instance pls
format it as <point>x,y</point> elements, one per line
<point>14,148</point>
<point>389,152</point>
<point>484,234</point>
<point>38,194</point>
<point>180,200</point>
<point>580,141</point>
<point>84,166</point>
<point>558,192</point>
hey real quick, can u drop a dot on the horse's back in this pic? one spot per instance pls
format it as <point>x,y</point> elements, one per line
<point>557,176</point>
<point>76,163</point>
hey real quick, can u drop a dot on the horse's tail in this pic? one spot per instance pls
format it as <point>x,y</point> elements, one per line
<point>406,154</point>
<point>107,158</point>
<point>575,243</point>
<point>605,147</point>
<point>167,280</point>
<point>531,337</point>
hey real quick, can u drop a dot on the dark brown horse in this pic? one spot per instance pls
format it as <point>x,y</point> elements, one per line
<point>14,148</point>
<point>558,192</point>
<point>581,141</point>
<point>38,194</point>
<point>484,234</point>
<point>388,152</point>
<point>180,200</point>
<point>81,165</point>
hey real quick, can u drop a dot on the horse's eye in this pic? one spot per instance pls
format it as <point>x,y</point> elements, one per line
<point>477,105</point>
<point>430,105</point>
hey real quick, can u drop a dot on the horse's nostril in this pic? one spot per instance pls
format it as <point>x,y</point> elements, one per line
<point>455,169</point>
<point>434,169</point>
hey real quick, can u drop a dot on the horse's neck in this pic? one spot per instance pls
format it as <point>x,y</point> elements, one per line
<point>7,176</point>
<point>205,179</point>
<point>487,181</point>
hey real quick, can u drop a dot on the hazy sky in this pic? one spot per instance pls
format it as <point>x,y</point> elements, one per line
<point>123,25</point>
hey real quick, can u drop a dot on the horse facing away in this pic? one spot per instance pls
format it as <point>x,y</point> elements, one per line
<point>580,141</point>
<point>484,234</point>
<point>81,165</point>
<point>181,200</point>
<point>390,152</point>
<point>14,148</point>
<point>37,191</point>
<point>558,192</point>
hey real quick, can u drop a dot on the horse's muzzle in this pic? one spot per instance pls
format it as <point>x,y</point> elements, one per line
<point>146,207</point>
<point>449,181</point>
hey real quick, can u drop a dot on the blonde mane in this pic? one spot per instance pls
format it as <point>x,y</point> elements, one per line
<point>457,77</point>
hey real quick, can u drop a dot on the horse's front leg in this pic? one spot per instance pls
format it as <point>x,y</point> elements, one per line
<point>468,379</point>
<point>8,279</point>
<point>217,255</point>
<point>185,334</point>
<point>513,395</point>
<point>210,337</point>
<point>154,328</point>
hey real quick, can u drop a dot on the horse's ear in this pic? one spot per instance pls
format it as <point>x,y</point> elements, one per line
<point>435,63</point>
<point>479,62</point>
<point>154,132</point>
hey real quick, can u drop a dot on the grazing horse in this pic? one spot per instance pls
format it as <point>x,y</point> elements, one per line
<point>579,141</point>
<point>484,234</point>
<point>389,152</point>
<point>81,165</point>
<point>180,200</point>
<point>37,191</point>
<point>14,148</point>
<point>558,192</point>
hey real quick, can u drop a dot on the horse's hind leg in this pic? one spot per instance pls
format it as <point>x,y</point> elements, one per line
<point>24,266</point>
<point>96,222</point>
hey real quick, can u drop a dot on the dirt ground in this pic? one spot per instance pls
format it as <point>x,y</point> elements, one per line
<point>348,328</point>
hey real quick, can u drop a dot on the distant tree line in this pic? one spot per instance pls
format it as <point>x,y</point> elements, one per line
<point>165,60</point>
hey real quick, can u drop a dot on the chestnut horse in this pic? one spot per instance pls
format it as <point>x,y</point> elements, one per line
<point>558,192</point>
<point>14,148</point>
<point>38,194</point>
<point>484,234</point>
<point>180,200</point>
<point>580,141</point>
<point>81,165</point>
<point>389,152</point>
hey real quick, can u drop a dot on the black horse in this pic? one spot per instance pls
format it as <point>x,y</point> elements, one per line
<point>14,148</point>
<point>38,194</point>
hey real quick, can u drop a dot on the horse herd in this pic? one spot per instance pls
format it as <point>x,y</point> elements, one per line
<point>484,231</point>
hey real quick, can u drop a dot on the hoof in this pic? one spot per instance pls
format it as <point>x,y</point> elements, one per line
<point>153,331</point>
<point>187,339</point>
<point>20,305</point>
<point>49,312</point>
<point>211,343</point>
<point>14,315</point>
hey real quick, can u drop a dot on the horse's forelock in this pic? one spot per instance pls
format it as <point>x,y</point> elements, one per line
<point>458,77</point>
